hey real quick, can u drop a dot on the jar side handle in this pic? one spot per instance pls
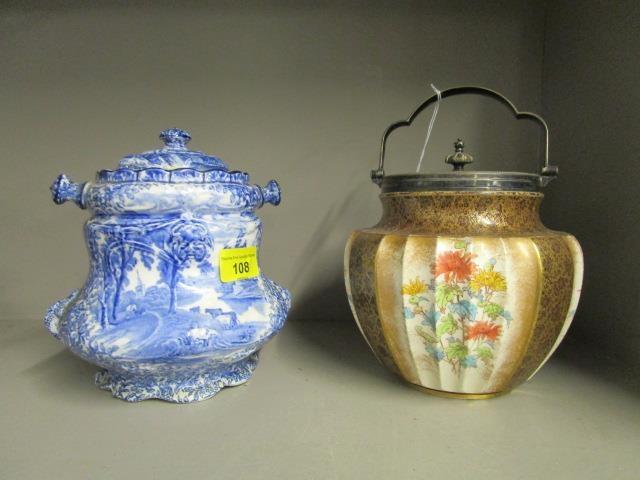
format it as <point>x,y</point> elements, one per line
<point>63,190</point>
<point>271,193</point>
<point>55,312</point>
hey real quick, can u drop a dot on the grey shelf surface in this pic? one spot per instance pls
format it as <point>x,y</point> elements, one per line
<point>318,407</point>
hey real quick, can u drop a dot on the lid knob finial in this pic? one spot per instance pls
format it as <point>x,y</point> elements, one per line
<point>459,159</point>
<point>175,138</point>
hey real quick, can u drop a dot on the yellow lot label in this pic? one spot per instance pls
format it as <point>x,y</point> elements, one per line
<point>238,263</point>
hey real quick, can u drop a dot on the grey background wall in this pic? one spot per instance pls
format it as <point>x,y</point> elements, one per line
<point>301,92</point>
<point>592,102</point>
<point>296,91</point>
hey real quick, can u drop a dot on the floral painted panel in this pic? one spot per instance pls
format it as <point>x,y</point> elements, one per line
<point>457,309</point>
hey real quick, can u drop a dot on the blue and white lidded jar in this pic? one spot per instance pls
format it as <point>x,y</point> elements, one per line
<point>175,306</point>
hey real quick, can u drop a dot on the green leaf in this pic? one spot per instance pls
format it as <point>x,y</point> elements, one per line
<point>426,335</point>
<point>457,351</point>
<point>493,310</point>
<point>447,324</point>
<point>460,244</point>
<point>484,353</point>
<point>446,293</point>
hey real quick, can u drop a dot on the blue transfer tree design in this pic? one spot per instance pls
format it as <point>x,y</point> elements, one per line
<point>188,241</point>
<point>173,244</point>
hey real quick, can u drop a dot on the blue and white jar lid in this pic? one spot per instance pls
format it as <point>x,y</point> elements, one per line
<point>174,163</point>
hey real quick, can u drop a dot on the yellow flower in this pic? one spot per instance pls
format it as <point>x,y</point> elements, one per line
<point>414,287</point>
<point>490,279</point>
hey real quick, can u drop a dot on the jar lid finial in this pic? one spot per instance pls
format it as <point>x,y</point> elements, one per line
<point>459,159</point>
<point>175,138</point>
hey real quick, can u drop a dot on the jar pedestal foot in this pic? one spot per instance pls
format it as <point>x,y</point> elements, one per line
<point>180,387</point>
<point>459,395</point>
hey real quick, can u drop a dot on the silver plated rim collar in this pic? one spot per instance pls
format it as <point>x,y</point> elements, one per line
<point>464,181</point>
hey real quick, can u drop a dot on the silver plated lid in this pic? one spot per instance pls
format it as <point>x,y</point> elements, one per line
<point>458,179</point>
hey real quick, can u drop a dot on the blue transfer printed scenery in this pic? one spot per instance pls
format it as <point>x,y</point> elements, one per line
<point>154,313</point>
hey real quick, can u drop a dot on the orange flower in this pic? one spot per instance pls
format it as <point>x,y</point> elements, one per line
<point>455,265</point>
<point>485,330</point>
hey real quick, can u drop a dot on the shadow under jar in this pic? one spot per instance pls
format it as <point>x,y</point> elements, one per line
<point>460,289</point>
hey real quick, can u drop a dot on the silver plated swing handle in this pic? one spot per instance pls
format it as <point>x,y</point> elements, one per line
<point>546,169</point>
